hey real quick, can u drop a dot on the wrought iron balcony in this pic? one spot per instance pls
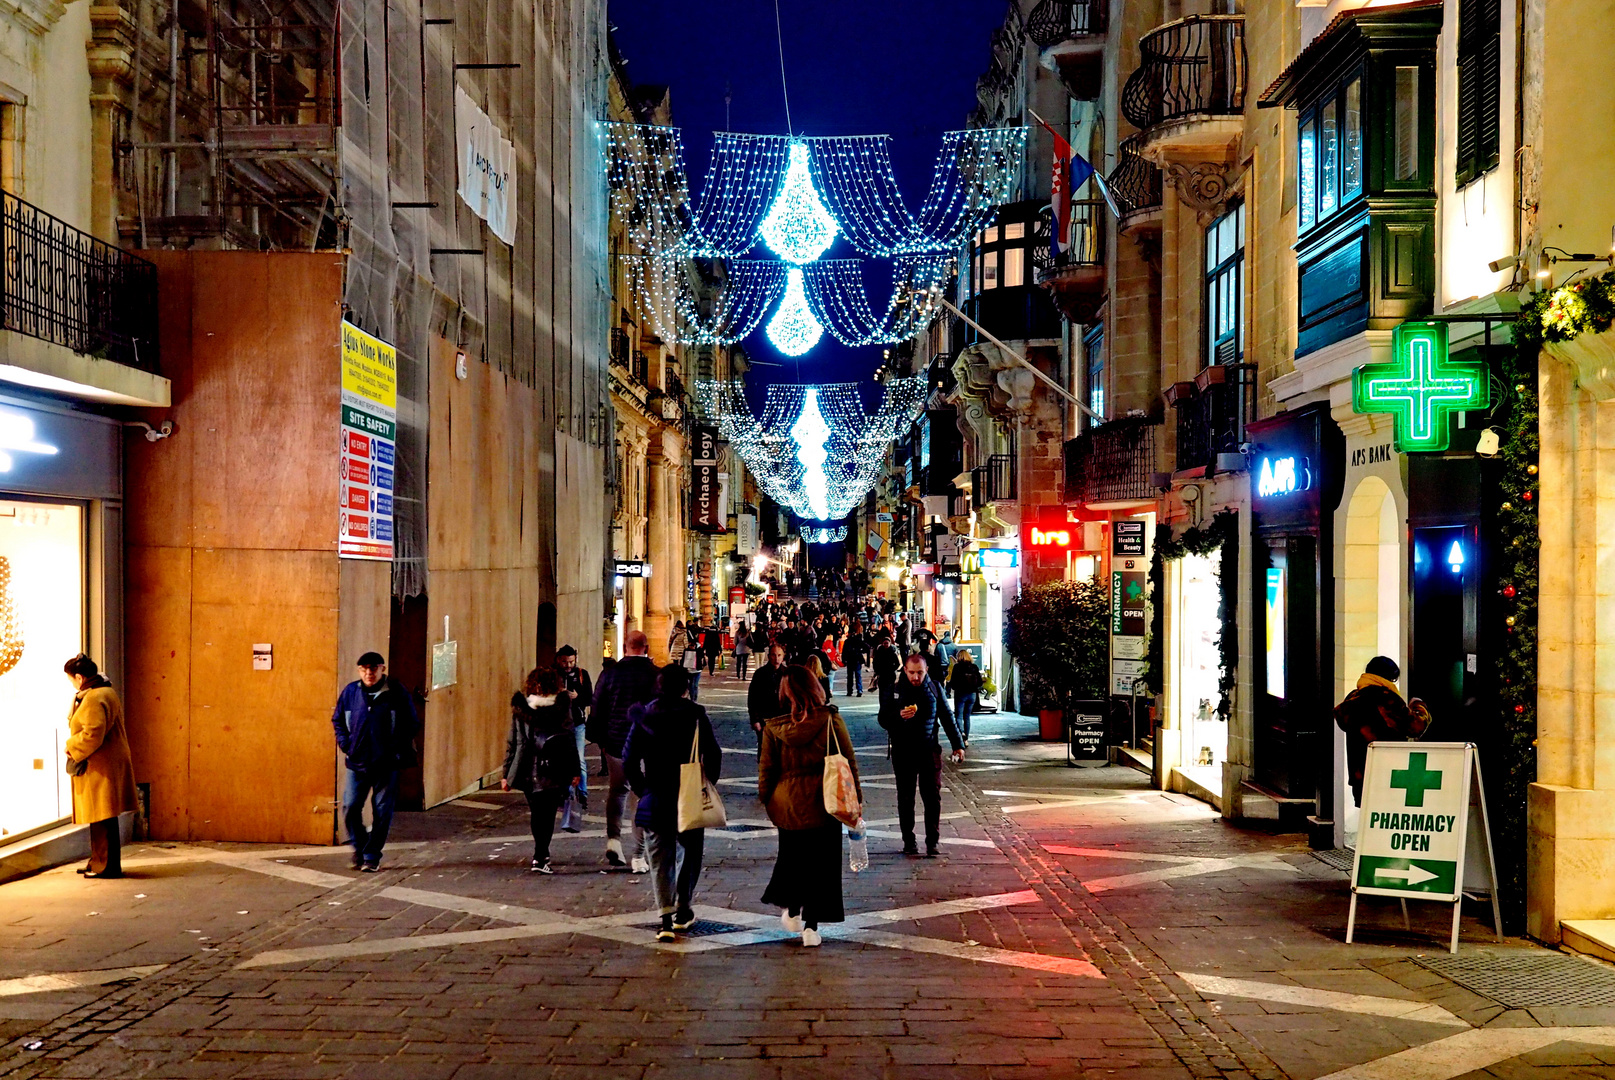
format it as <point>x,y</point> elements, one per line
<point>1191,67</point>
<point>1112,463</point>
<point>65,286</point>
<point>1054,21</point>
<point>993,482</point>
<point>640,369</point>
<point>619,346</point>
<point>1135,181</point>
<point>1075,280</point>
<point>1213,411</point>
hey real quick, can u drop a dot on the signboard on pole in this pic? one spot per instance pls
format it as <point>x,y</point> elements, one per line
<point>369,430</point>
<point>1127,539</point>
<point>706,502</point>
<point>1423,818</point>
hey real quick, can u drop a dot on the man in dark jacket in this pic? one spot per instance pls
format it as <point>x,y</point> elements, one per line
<point>918,707</point>
<point>375,725</point>
<point>888,664</point>
<point>762,697</point>
<point>1375,712</point>
<point>852,655</point>
<point>632,681</point>
<point>658,743</point>
<point>575,682</point>
<point>965,682</point>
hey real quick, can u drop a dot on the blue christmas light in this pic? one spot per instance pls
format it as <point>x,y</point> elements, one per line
<point>798,227</point>
<point>794,329</point>
<point>811,433</point>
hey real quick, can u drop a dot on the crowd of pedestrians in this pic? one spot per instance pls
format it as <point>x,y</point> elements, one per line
<point>661,760</point>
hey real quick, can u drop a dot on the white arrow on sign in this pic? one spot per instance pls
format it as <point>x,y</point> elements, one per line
<point>1415,875</point>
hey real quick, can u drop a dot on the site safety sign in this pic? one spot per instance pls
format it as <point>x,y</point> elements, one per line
<point>1422,822</point>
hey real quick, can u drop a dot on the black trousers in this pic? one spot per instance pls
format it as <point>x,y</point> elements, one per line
<point>920,764</point>
<point>106,848</point>
<point>541,806</point>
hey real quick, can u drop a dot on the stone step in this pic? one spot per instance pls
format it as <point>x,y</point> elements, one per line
<point>1592,937</point>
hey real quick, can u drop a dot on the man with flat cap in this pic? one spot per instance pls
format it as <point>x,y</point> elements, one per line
<point>375,725</point>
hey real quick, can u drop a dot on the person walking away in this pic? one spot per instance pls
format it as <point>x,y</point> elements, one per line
<point>541,758</point>
<point>934,666</point>
<point>742,650</point>
<point>965,682</point>
<point>1375,712</point>
<point>832,654</point>
<point>99,762</point>
<point>576,685</point>
<point>852,655</point>
<point>917,709</point>
<point>678,640</point>
<point>762,697</point>
<point>818,666</point>
<point>713,643</point>
<point>887,663</point>
<point>658,743</point>
<point>630,682</point>
<point>375,725</point>
<point>806,883</point>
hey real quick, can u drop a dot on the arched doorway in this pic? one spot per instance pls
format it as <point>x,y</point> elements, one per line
<point>1371,599</point>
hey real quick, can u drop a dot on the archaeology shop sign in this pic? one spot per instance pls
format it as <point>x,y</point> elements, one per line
<point>706,501</point>
<point>369,442</point>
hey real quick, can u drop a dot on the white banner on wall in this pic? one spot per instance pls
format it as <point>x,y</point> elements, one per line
<point>487,167</point>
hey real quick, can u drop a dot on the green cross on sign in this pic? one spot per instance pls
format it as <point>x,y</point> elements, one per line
<point>1415,780</point>
<point>1420,387</point>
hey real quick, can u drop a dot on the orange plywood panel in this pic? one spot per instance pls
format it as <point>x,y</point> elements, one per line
<point>266,333</point>
<point>156,694</point>
<point>261,775</point>
<point>157,476</point>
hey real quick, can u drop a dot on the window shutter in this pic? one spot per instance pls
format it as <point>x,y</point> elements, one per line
<point>1479,78</point>
<point>1488,123</point>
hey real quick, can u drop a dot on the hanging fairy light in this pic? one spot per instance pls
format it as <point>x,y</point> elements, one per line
<point>815,534</point>
<point>780,450</point>
<point>794,330</point>
<point>798,228</point>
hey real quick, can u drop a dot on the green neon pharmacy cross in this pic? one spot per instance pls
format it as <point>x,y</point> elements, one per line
<point>1415,780</point>
<point>1420,387</point>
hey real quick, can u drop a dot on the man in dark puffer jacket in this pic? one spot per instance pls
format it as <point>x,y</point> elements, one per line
<point>1375,712</point>
<point>630,682</point>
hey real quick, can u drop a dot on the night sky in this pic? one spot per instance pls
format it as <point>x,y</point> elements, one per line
<point>904,68</point>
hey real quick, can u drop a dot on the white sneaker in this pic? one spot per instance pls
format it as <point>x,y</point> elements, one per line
<point>810,938</point>
<point>614,852</point>
<point>640,865</point>
<point>792,923</point>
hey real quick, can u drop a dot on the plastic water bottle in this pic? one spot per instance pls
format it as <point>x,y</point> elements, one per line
<point>859,846</point>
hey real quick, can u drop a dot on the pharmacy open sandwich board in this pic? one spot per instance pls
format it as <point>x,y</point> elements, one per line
<point>1422,833</point>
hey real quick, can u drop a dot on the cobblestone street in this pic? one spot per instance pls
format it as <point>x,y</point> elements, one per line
<point>1077,923</point>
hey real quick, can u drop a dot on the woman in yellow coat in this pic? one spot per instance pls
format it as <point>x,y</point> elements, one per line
<point>99,762</point>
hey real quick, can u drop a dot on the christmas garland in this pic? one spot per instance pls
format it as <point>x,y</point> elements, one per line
<point>1221,534</point>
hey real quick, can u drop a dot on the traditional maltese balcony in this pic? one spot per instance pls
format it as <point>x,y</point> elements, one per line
<point>1071,34</point>
<point>1188,93</point>
<point>1075,280</point>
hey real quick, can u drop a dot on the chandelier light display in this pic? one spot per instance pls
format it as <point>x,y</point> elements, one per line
<point>796,196</point>
<point>813,534</point>
<point>814,451</point>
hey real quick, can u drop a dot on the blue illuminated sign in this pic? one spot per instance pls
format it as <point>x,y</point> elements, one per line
<point>1282,476</point>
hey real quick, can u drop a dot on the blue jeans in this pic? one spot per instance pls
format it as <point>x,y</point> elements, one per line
<point>382,790</point>
<point>695,684</point>
<point>855,677</point>
<point>572,809</point>
<point>963,706</point>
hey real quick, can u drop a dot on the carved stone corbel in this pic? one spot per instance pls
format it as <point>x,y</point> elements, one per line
<point>1203,186</point>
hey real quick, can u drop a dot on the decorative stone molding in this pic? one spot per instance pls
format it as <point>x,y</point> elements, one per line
<point>1591,357</point>
<point>35,16</point>
<point>1201,185</point>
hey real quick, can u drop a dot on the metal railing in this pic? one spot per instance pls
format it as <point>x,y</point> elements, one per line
<point>1213,414</point>
<point>993,482</point>
<point>1114,462</point>
<point>619,346</point>
<point>1188,67</point>
<point>640,369</point>
<point>1054,21</point>
<point>65,286</point>
<point>1135,181</point>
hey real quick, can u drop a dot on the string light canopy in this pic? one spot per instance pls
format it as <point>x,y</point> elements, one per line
<point>804,191</point>
<point>817,534</point>
<point>814,451</point>
<point>825,296</point>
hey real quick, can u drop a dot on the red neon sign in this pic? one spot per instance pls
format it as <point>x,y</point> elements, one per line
<point>1049,537</point>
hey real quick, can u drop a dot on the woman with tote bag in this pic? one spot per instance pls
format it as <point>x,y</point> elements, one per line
<point>791,774</point>
<point>658,744</point>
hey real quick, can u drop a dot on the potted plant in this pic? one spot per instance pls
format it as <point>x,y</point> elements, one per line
<point>1057,632</point>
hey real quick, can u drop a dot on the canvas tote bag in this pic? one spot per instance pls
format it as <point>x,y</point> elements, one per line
<point>840,790</point>
<point>700,805</point>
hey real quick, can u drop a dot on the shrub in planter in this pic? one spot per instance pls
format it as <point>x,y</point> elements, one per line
<point>1057,632</point>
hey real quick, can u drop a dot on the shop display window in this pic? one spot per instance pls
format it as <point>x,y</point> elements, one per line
<point>1199,660</point>
<point>41,626</point>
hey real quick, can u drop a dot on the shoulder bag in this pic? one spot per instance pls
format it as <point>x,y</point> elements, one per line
<point>840,789</point>
<point>700,805</point>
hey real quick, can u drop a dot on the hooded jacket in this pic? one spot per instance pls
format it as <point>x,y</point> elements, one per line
<point>1375,712</point>
<point>540,754</point>
<point>790,767</point>
<point>657,744</point>
<point>632,681</point>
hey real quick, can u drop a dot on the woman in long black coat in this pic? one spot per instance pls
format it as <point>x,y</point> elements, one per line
<point>541,755</point>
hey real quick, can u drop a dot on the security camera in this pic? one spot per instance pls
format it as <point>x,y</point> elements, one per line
<point>1507,262</point>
